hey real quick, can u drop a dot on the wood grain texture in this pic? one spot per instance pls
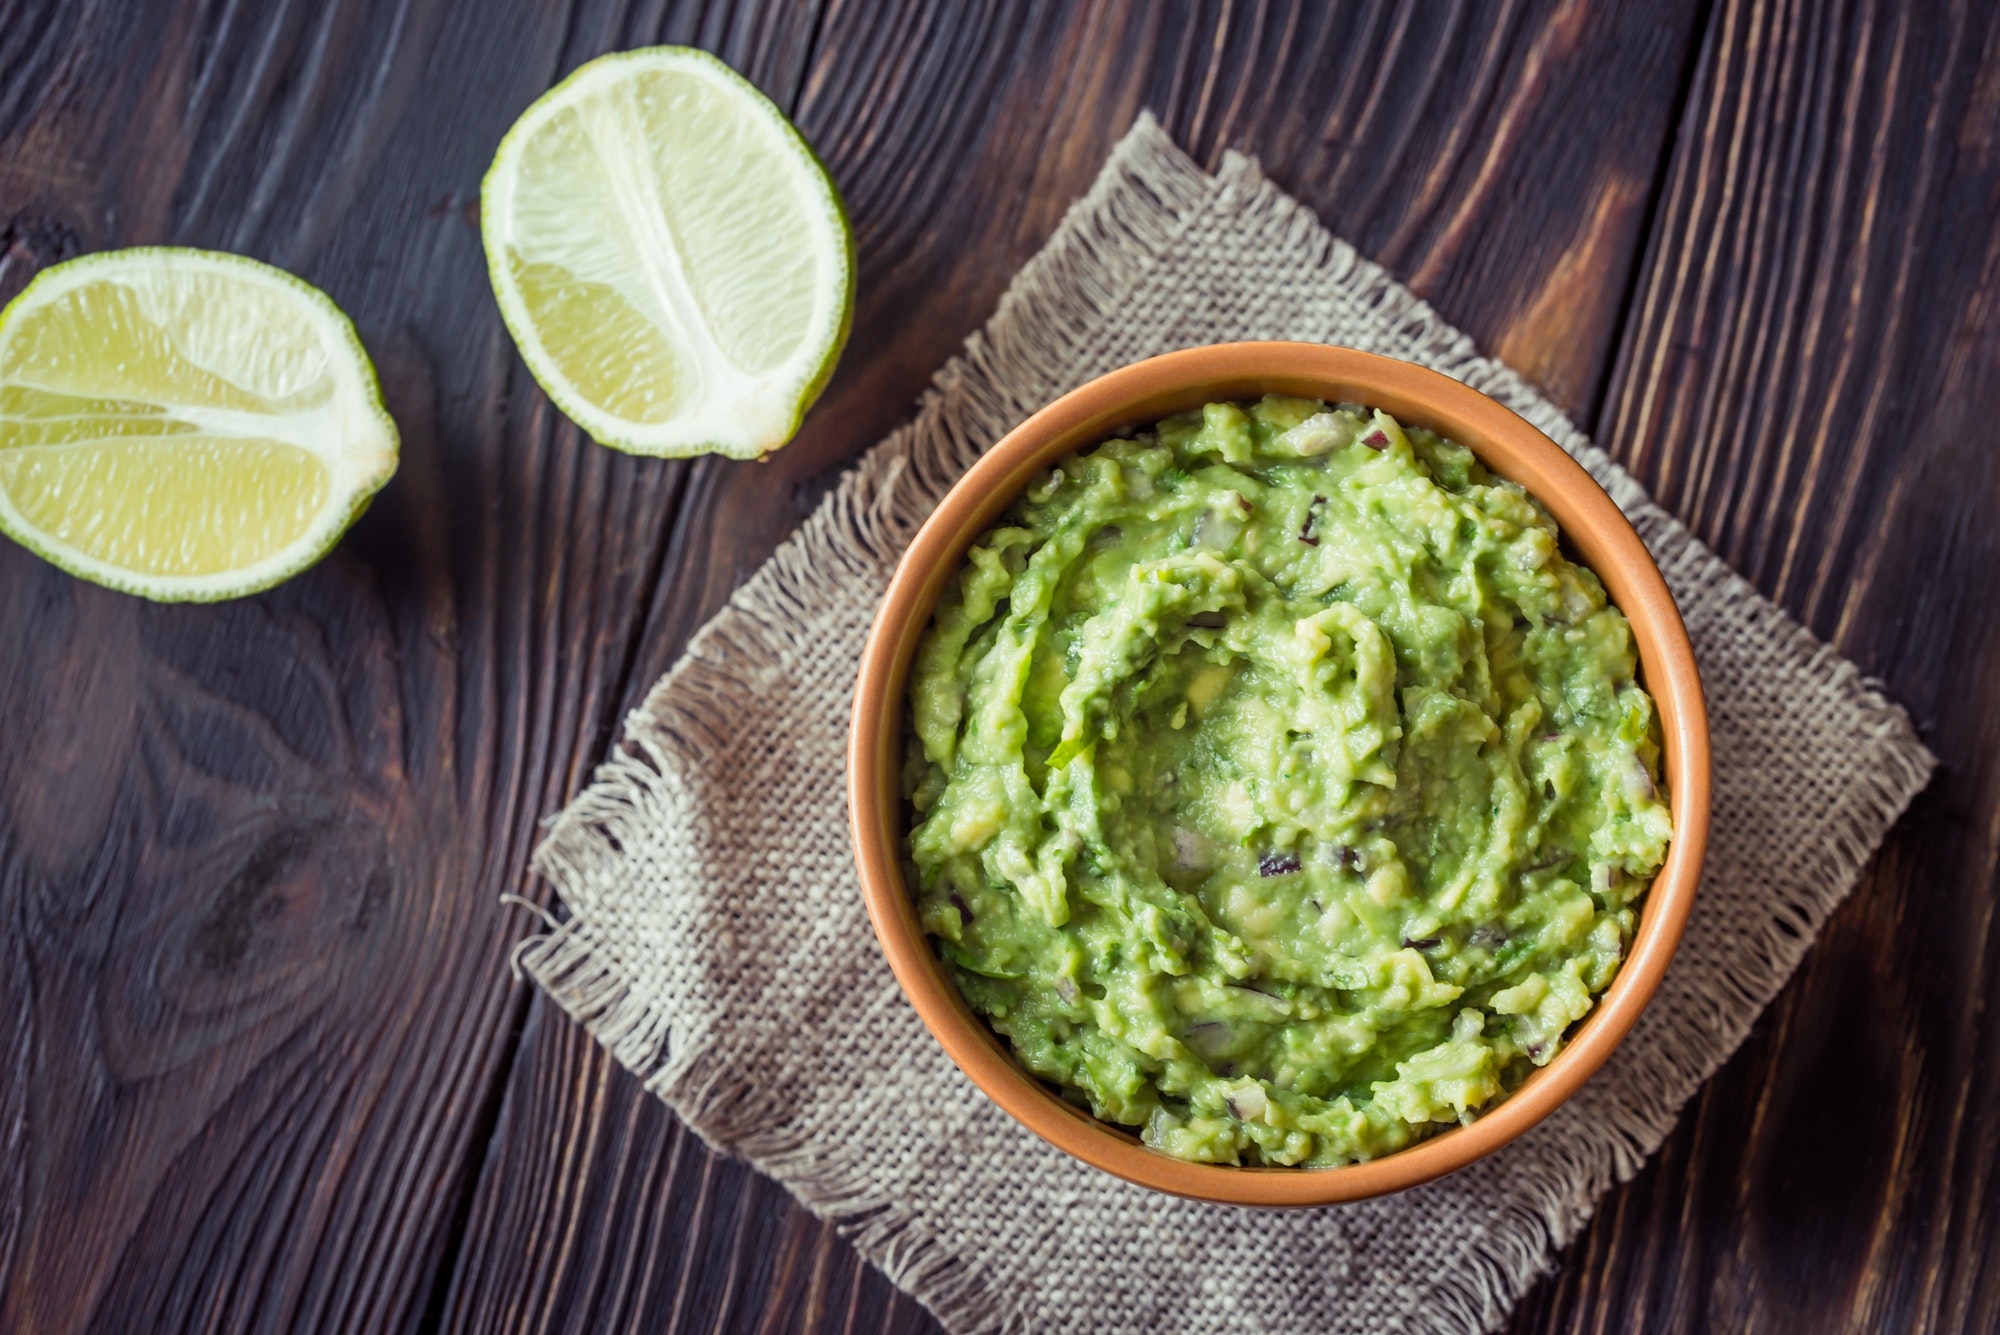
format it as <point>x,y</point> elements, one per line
<point>1811,376</point>
<point>261,1063</point>
<point>254,989</point>
<point>1434,137</point>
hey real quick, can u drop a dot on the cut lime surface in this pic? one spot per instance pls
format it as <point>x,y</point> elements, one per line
<point>670,256</point>
<point>184,425</point>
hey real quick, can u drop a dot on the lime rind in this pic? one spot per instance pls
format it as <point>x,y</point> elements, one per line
<point>355,475</point>
<point>827,334</point>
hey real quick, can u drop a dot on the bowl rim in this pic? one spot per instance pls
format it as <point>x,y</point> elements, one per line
<point>1131,395</point>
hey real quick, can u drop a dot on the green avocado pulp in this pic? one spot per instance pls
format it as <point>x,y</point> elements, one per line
<point>1277,786</point>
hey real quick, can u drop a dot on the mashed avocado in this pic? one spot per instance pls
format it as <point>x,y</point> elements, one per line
<point>1278,787</point>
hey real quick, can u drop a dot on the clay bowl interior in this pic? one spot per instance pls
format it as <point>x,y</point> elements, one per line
<point>1594,531</point>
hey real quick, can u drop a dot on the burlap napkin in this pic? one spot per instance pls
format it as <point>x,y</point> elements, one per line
<point>716,940</point>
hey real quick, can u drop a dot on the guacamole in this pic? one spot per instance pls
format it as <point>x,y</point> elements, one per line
<point>1277,787</point>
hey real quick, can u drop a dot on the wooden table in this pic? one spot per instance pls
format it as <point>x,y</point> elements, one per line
<point>262,1064</point>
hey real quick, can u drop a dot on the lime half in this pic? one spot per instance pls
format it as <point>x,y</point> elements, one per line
<point>184,425</point>
<point>670,256</point>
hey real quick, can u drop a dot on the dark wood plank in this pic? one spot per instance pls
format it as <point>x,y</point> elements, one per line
<point>1812,376</point>
<point>253,974</point>
<point>1439,138</point>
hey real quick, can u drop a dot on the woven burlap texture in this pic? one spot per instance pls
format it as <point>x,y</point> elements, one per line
<point>715,939</point>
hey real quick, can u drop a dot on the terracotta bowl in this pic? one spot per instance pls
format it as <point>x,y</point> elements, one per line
<point>1594,530</point>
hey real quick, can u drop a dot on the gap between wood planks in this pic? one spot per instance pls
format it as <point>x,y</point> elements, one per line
<point>1593,410</point>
